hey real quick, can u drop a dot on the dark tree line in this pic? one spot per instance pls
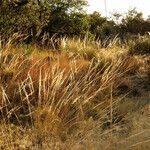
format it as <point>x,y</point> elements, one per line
<point>64,18</point>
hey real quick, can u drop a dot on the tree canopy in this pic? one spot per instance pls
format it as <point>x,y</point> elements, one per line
<point>65,17</point>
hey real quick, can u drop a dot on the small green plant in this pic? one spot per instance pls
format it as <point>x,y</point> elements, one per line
<point>140,47</point>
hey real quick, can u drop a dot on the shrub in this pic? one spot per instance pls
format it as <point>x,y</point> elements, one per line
<point>140,47</point>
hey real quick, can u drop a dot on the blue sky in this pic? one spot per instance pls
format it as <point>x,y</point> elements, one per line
<point>121,6</point>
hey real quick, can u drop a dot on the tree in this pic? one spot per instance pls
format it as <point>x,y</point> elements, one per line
<point>17,16</point>
<point>96,22</point>
<point>100,26</point>
<point>134,22</point>
<point>61,13</point>
<point>35,17</point>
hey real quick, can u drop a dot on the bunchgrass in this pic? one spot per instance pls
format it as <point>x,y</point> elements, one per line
<point>68,99</point>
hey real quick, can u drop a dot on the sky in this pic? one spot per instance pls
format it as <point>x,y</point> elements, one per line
<point>121,6</point>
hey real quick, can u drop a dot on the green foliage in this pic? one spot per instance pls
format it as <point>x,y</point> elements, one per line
<point>100,26</point>
<point>134,23</point>
<point>34,18</point>
<point>96,21</point>
<point>79,23</point>
<point>140,47</point>
<point>61,18</point>
<point>23,19</point>
<point>65,17</point>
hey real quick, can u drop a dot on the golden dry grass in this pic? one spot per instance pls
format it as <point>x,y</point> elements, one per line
<point>69,99</point>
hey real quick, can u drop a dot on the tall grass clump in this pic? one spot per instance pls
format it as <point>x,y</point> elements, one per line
<point>54,100</point>
<point>81,47</point>
<point>56,97</point>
